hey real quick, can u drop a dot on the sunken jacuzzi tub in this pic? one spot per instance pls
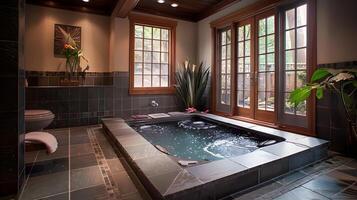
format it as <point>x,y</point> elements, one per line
<point>204,156</point>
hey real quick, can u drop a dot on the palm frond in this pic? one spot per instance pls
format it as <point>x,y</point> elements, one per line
<point>191,83</point>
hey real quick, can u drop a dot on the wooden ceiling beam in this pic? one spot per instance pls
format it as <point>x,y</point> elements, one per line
<point>124,7</point>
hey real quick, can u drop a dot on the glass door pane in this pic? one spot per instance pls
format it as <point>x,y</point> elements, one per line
<point>225,67</point>
<point>244,66</point>
<point>266,64</point>
<point>295,39</point>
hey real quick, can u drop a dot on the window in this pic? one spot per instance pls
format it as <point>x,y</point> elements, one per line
<point>225,63</point>
<point>295,40</point>
<point>270,49</point>
<point>152,52</point>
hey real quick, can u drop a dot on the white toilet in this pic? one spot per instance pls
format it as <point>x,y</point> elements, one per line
<point>37,120</point>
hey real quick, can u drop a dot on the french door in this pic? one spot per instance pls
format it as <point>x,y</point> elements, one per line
<point>256,67</point>
<point>271,54</point>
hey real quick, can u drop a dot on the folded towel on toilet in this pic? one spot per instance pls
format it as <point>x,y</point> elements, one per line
<point>43,137</point>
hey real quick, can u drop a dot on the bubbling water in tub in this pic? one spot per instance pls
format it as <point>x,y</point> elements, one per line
<point>199,139</point>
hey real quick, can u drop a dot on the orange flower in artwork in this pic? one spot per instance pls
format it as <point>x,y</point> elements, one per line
<point>68,46</point>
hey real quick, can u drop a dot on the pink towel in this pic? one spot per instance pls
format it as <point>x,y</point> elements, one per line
<point>43,137</point>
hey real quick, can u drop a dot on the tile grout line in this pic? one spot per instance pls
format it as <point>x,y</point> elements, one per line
<point>111,188</point>
<point>28,177</point>
<point>309,177</point>
<point>69,163</point>
<point>51,195</point>
<point>315,192</point>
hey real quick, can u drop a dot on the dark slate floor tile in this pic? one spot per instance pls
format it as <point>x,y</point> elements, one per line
<point>115,166</point>
<point>64,196</point>
<point>107,149</point>
<point>62,139</point>
<point>86,177</point>
<point>348,170</point>
<point>30,157</point>
<point>79,139</point>
<point>319,167</point>
<point>46,185</point>
<point>92,193</point>
<point>352,164</point>
<point>347,194</point>
<point>325,185</point>
<point>132,196</point>
<point>49,167</point>
<point>344,174</point>
<point>82,161</point>
<point>257,192</point>
<point>61,152</point>
<point>61,131</point>
<point>81,149</point>
<point>124,183</point>
<point>82,131</point>
<point>301,193</point>
<point>291,178</point>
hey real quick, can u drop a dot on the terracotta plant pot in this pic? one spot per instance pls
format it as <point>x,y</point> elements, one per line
<point>67,82</point>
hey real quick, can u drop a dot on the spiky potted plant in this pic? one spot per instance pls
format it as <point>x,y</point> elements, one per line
<point>73,55</point>
<point>191,83</point>
<point>344,83</point>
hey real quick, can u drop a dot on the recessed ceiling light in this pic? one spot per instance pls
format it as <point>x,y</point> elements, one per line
<point>174,5</point>
<point>160,1</point>
<point>85,0</point>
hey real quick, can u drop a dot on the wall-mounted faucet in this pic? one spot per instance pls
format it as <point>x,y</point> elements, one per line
<point>154,103</point>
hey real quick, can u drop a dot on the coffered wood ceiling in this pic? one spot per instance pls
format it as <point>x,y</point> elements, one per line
<point>101,7</point>
<point>191,10</point>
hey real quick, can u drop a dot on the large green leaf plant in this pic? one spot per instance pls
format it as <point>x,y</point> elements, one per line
<point>342,81</point>
<point>191,82</point>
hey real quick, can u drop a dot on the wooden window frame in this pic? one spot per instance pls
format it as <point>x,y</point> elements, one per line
<point>254,10</point>
<point>138,19</point>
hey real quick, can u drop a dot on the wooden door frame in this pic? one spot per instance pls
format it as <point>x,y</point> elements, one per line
<point>254,10</point>
<point>262,115</point>
<point>239,111</point>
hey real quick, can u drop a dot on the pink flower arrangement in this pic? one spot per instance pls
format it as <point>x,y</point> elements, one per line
<point>191,110</point>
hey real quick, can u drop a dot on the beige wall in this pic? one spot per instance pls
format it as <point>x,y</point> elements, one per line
<point>39,38</point>
<point>186,37</point>
<point>336,30</point>
<point>105,40</point>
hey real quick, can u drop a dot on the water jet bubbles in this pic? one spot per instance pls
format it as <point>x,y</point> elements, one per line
<point>195,125</point>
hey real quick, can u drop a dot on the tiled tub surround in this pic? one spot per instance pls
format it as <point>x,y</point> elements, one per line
<point>165,179</point>
<point>49,78</point>
<point>126,105</point>
<point>104,95</point>
<point>72,106</point>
